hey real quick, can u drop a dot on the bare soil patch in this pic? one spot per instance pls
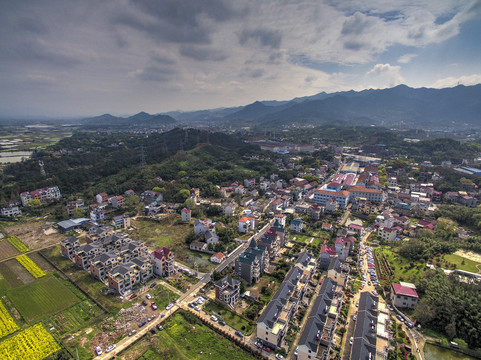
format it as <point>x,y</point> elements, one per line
<point>33,235</point>
<point>469,255</point>
<point>7,250</point>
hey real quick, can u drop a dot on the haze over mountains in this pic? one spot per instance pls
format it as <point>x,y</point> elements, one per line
<point>398,107</point>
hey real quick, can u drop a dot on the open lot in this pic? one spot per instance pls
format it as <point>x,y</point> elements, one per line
<point>42,298</point>
<point>33,233</point>
<point>170,232</point>
<point>403,269</point>
<point>185,337</point>
<point>231,318</point>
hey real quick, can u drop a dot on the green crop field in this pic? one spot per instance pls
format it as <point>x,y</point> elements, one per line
<point>76,317</point>
<point>42,298</point>
<point>188,340</point>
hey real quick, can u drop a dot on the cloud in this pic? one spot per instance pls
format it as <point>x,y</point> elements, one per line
<point>467,80</point>
<point>406,58</point>
<point>202,53</point>
<point>264,37</point>
<point>386,74</point>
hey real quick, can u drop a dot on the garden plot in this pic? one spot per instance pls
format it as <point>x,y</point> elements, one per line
<point>7,250</point>
<point>15,274</point>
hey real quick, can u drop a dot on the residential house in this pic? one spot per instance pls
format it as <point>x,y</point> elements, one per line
<point>98,232</point>
<point>121,222</point>
<point>102,264</point>
<point>117,201</point>
<point>211,237</point>
<point>273,324</point>
<point>228,209</point>
<point>217,258</point>
<point>327,227</point>
<point>468,201</point>
<point>317,336</point>
<point>227,291</point>
<point>331,205</point>
<point>149,196</point>
<point>315,210</point>
<point>338,272</point>
<point>387,234</point>
<point>186,214</point>
<point>85,254</point>
<point>271,241</point>
<point>11,211</point>
<point>199,246</point>
<point>97,214</point>
<point>248,267</point>
<point>202,226</point>
<point>404,296</point>
<point>327,252</point>
<point>122,278</point>
<point>249,182</point>
<point>163,261</point>
<point>344,246</point>
<point>68,247</point>
<point>45,195</point>
<point>129,192</point>
<point>76,204</point>
<point>364,337</point>
<point>297,225</point>
<point>101,198</point>
<point>246,224</point>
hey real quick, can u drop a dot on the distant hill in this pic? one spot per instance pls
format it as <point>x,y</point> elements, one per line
<point>397,107</point>
<point>142,119</point>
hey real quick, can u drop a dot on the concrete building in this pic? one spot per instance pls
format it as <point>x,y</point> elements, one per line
<point>227,291</point>
<point>404,296</point>
<point>163,260</point>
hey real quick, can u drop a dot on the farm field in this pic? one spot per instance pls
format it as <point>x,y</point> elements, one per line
<point>32,343</point>
<point>42,298</point>
<point>7,250</point>
<point>185,337</point>
<point>7,324</point>
<point>75,317</point>
<point>231,318</point>
<point>463,263</point>
<point>32,234</point>
<point>15,274</point>
<point>170,232</point>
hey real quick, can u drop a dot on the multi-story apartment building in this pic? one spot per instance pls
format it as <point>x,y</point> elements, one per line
<point>45,195</point>
<point>163,260</point>
<point>227,291</point>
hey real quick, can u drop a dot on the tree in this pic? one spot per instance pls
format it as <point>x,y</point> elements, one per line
<point>78,213</point>
<point>33,203</point>
<point>216,275</point>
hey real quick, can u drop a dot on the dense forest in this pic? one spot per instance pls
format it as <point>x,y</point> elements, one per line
<point>89,163</point>
<point>450,307</point>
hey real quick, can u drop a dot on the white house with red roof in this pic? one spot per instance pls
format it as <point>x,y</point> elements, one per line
<point>163,260</point>
<point>344,247</point>
<point>325,257</point>
<point>217,257</point>
<point>246,224</point>
<point>387,234</point>
<point>185,213</point>
<point>404,296</point>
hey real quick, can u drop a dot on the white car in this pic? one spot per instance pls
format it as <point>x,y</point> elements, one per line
<point>110,348</point>
<point>196,308</point>
<point>213,318</point>
<point>98,351</point>
<point>148,296</point>
<point>351,340</point>
<point>279,357</point>
<point>168,307</point>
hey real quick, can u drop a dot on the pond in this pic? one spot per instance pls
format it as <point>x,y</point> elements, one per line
<point>433,352</point>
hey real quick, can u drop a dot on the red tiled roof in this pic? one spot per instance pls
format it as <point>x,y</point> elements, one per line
<point>328,249</point>
<point>357,188</point>
<point>342,193</point>
<point>161,253</point>
<point>404,290</point>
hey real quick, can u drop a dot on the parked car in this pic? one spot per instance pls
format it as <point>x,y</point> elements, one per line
<point>153,330</point>
<point>148,296</point>
<point>354,317</point>
<point>196,308</point>
<point>162,315</point>
<point>191,305</point>
<point>267,349</point>
<point>110,348</point>
<point>160,327</point>
<point>168,307</point>
<point>279,357</point>
<point>152,285</point>
<point>133,332</point>
<point>350,295</point>
<point>357,304</point>
<point>221,322</point>
<point>213,318</point>
<point>142,323</point>
<point>351,340</point>
<point>134,295</point>
<point>98,351</point>
<point>239,334</point>
<point>154,307</point>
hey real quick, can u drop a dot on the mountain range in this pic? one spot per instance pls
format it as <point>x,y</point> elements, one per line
<point>398,107</point>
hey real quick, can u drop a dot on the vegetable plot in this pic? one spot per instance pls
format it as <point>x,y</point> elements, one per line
<point>7,324</point>
<point>31,267</point>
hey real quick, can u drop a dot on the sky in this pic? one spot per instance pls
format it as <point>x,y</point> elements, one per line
<point>70,58</point>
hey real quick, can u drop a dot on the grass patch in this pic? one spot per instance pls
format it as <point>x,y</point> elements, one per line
<point>162,296</point>
<point>42,298</point>
<point>403,269</point>
<point>184,337</point>
<point>462,263</point>
<point>170,232</point>
<point>231,318</point>
<point>75,317</point>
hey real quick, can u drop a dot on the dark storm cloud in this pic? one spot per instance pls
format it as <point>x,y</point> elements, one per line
<point>265,37</point>
<point>178,21</point>
<point>201,53</point>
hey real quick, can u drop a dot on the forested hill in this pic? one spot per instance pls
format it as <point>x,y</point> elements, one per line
<point>112,163</point>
